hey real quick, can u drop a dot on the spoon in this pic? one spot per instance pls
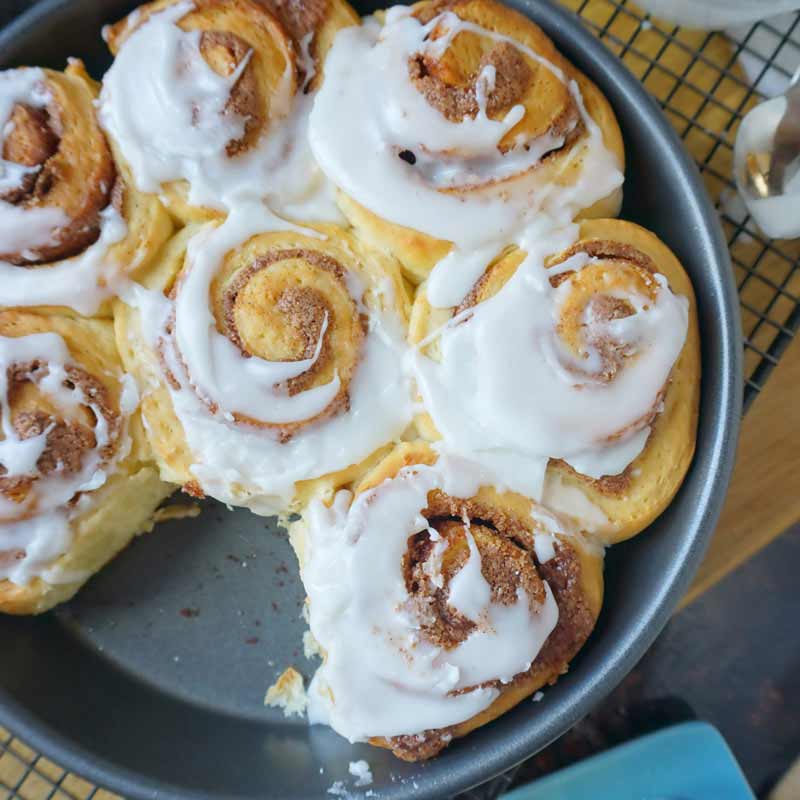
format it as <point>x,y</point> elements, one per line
<point>768,173</point>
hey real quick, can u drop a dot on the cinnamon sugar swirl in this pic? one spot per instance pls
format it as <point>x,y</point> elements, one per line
<point>209,100</point>
<point>473,599</point>
<point>448,123</point>
<point>269,357</point>
<point>76,482</point>
<point>71,224</point>
<point>584,383</point>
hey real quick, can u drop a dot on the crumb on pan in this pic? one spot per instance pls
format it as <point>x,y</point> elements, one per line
<point>288,693</point>
<point>311,647</point>
<point>361,772</point>
<point>177,511</point>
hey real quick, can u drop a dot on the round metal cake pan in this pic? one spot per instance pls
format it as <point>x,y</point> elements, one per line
<point>151,682</point>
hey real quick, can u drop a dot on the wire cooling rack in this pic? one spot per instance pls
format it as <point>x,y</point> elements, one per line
<point>699,81</point>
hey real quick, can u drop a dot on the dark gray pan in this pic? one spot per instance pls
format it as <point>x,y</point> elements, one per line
<point>124,688</point>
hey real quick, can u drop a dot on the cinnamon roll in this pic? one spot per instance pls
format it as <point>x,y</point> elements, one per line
<point>449,124</point>
<point>438,602</point>
<point>269,358</point>
<point>583,383</point>
<point>76,478</point>
<point>209,101</point>
<point>71,224</point>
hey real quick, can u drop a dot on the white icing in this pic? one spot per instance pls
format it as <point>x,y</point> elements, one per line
<point>469,593</point>
<point>381,676</point>
<point>28,228</point>
<point>82,282</point>
<point>306,59</point>
<point>361,772</point>
<point>79,282</point>
<point>42,539</point>
<point>166,109</point>
<point>503,392</point>
<point>777,215</point>
<point>571,501</point>
<point>369,110</point>
<point>33,533</point>
<point>244,465</point>
<point>22,228</point>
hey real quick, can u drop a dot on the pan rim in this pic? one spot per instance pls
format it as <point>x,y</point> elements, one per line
<point>623,654</point>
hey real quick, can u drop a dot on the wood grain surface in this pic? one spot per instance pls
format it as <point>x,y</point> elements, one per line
<point>764,497</point>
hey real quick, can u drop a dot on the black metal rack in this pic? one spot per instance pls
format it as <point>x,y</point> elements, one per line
<point>697,78</point>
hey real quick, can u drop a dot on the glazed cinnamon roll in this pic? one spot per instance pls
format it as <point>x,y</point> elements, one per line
<point>584,374</point>
<point>209,100</point>
<point>76,478</point>
<point>70,222</point>
<point>269,358</point>
<point>438,602</point>
<point>449,124</point>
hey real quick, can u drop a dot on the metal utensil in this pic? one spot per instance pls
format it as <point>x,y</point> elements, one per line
<point>786,146</point>
<point>767,173</point>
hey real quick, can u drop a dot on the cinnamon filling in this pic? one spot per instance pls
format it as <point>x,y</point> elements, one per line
<point>31,142</point>
<point>303,312</point>
<point>505,566</point>
<point>300,19</point>
<point>590,306</point>
<point>224,52</point>
<point>276,308</point>
<point>68,439</point>
<point>35,140</point>
<point>508,563</point>
<point>455,95</point>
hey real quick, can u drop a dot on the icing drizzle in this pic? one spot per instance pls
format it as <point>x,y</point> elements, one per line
<point>35,521</point>
<point>372,640</point>
<point>80,282</point>
<point>247,466</point>
<point>166,108</point>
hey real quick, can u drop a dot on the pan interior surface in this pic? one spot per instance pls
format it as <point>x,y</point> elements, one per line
<point>151,682</point>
